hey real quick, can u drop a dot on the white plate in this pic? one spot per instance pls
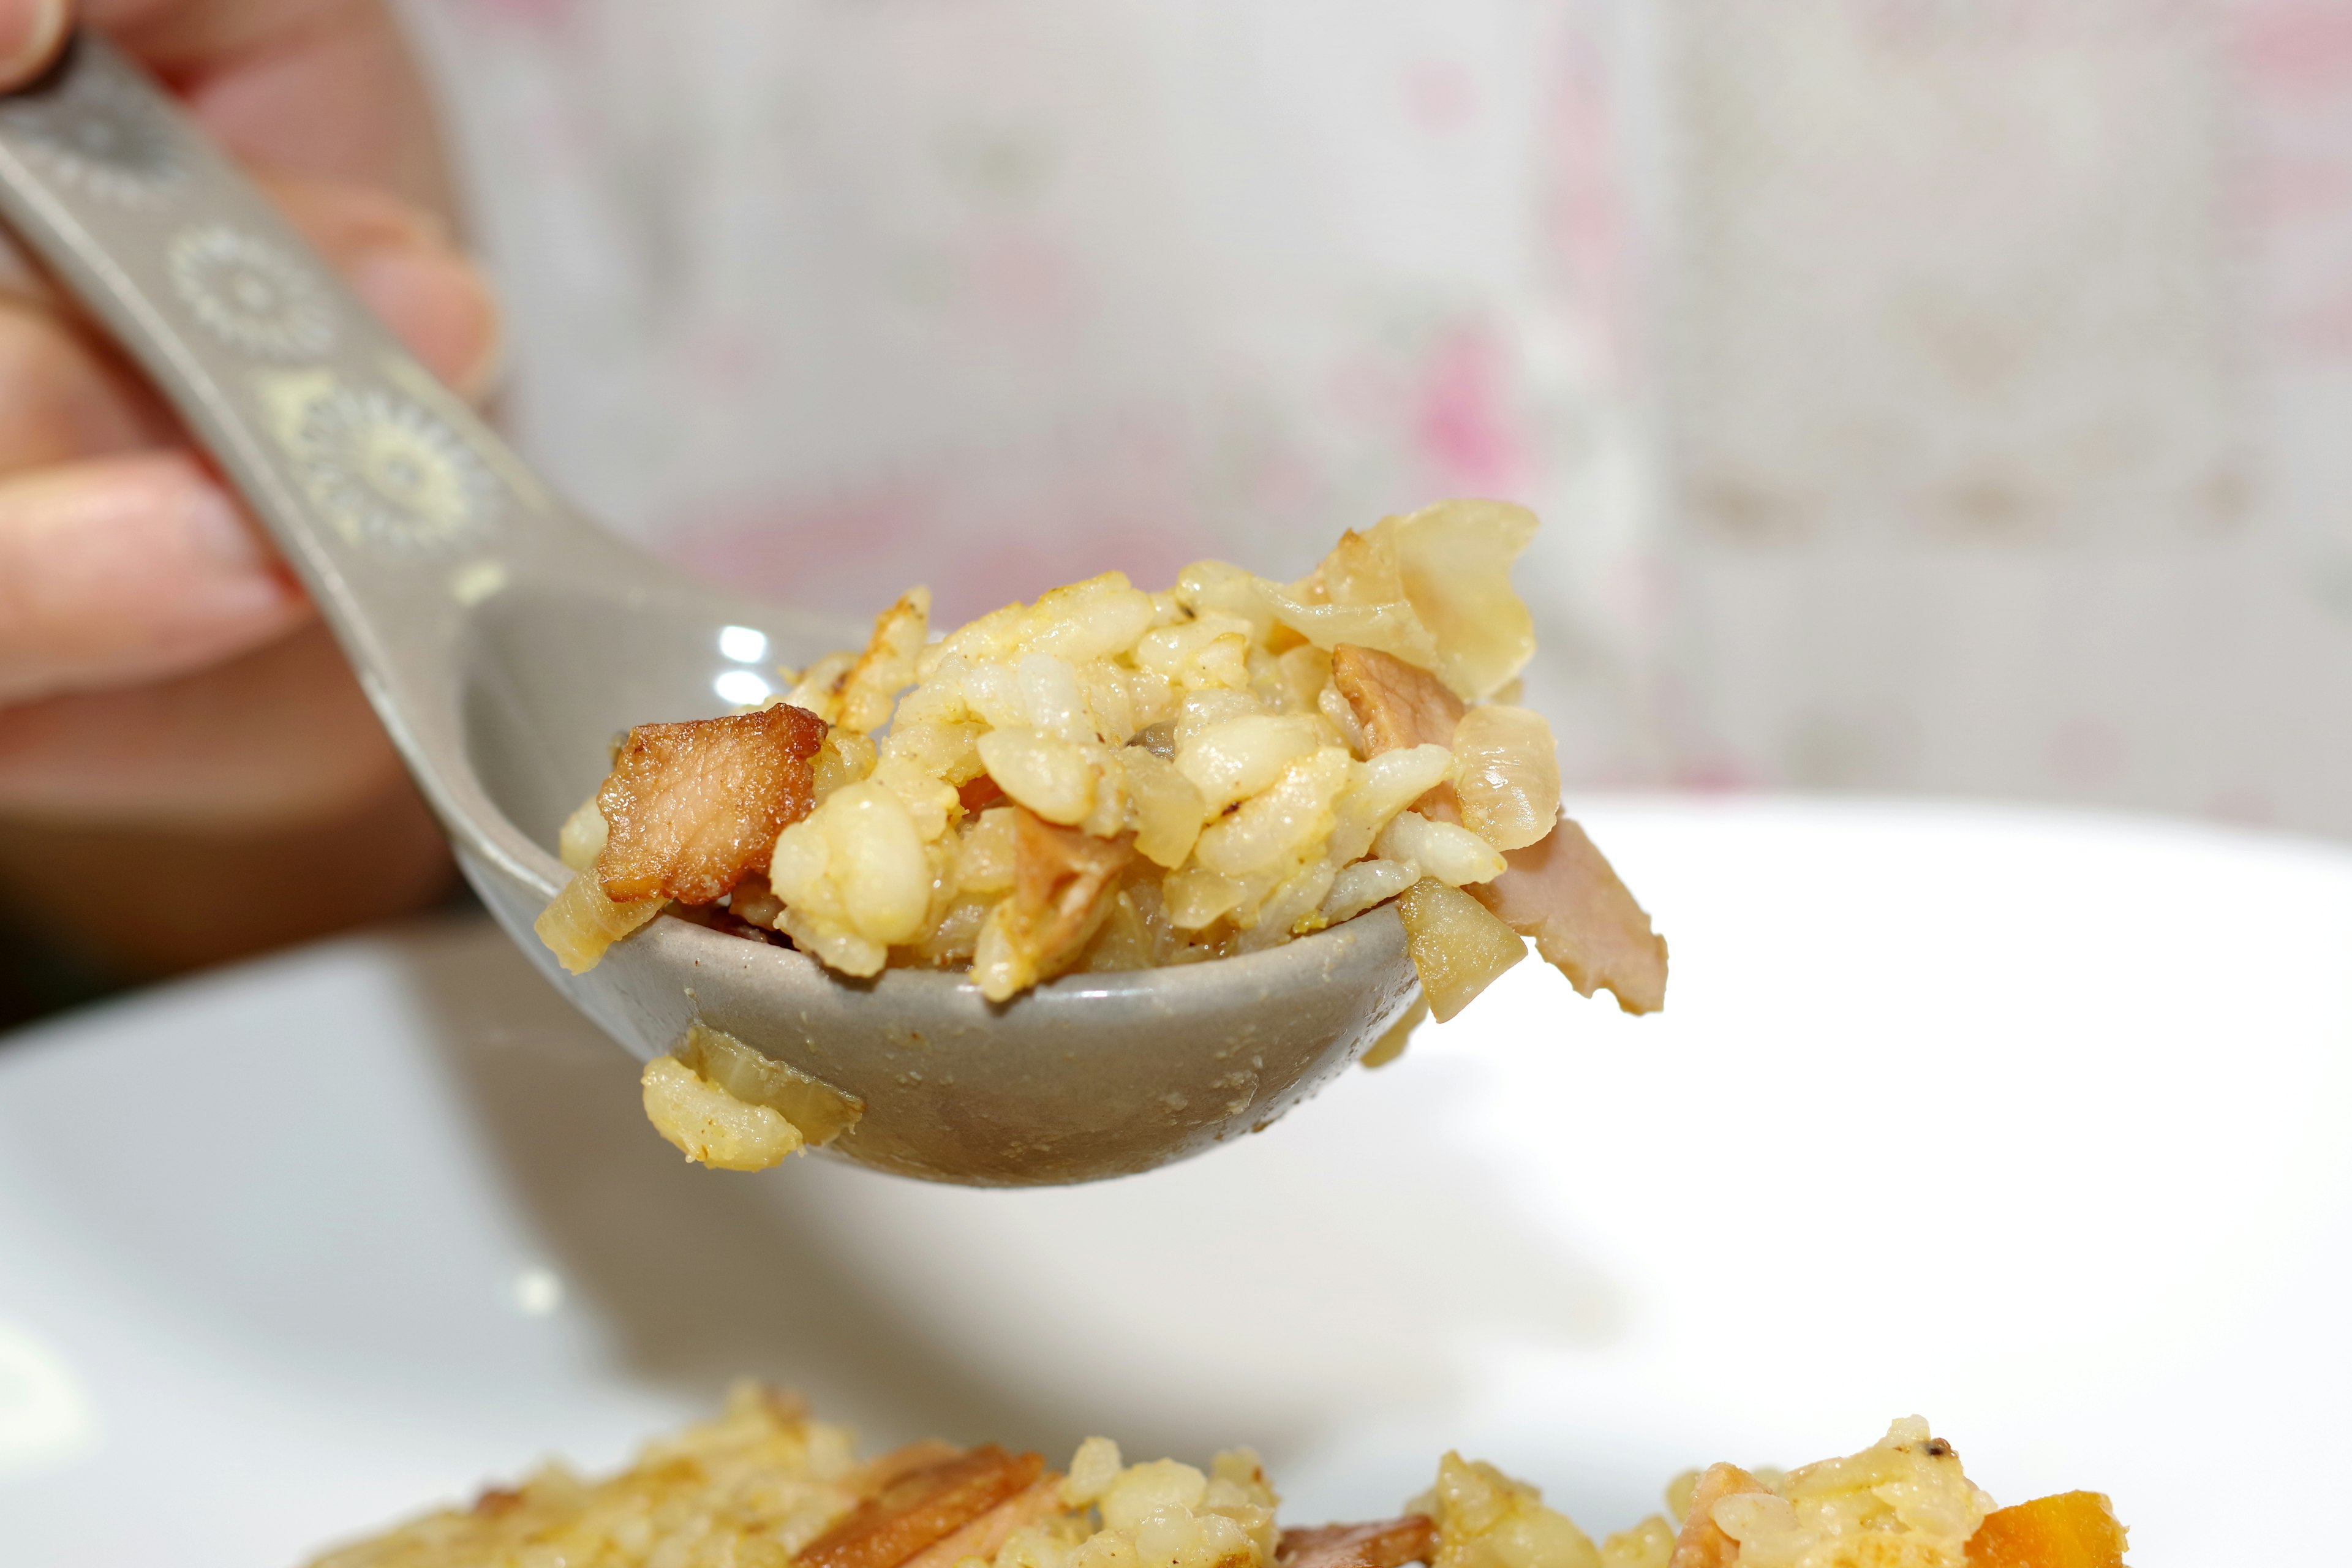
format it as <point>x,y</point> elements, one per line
<point>2032,1123</point>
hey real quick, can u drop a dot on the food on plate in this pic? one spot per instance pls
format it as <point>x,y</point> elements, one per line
<point>2075,1530</point>
<point>764,1486</point>
<point>1110,779</point>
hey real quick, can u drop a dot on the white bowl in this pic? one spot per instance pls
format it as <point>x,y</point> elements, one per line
<point>2030,1123</point>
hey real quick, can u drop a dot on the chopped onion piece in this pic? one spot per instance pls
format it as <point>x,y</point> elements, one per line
<point>583,922</point>
<point>1165,808</point>
<point>1506,775</point>
<point>1458,948</point>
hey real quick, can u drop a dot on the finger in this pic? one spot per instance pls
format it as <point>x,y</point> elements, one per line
<point>279,736</point>
<point>397,257</point>
<point>65,395</point>
<point>129,569</point>
<point>30,31</point>
<point>399,260</point>
<point>177,36</point>
<point>324,87</point>
<point>65,399</point>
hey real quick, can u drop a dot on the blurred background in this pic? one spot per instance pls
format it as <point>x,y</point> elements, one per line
<point>1922,395</point>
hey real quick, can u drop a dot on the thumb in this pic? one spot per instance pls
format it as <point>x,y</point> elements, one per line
<point>30,31</point>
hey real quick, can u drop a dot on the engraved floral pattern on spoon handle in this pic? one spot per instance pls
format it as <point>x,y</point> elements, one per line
<point>338,439</point>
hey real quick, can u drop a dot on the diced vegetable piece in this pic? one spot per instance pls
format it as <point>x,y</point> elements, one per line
<point>1434,588</point>
<point>1455,559</point>
<point>1458,949</point>
<point>821,1112</point>
<point>583,922</point>
<point>1356,596</point>
<point>1506,775</point>
<point>2071,1530</point>
<point>1166,806</point>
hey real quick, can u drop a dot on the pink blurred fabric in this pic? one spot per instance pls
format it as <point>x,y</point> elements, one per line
<point>1921,394</point>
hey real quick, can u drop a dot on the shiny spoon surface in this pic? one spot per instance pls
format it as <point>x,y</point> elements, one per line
<point>504,639</point>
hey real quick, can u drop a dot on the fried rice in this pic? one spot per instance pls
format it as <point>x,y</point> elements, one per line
<point>765,1486</point>
<point>1110,779</point>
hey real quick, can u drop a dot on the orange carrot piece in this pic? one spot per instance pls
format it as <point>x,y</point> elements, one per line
<point>2072,1530</point>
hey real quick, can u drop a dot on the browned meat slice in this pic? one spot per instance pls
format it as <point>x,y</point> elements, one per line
<point>691,809</point>
<point>1561,893</point>
<point>1062,884</point>
<point>1702,1544</point>
<point>1391,1543</point>
<point>1398,704</point>
<point>976,795</point>
<point>921,1508</point>
<point>983,1535</point>
<point>1559,890</point>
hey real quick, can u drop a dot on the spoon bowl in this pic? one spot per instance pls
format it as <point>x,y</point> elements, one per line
<point>505,640</point>
<point>1082,1077</point>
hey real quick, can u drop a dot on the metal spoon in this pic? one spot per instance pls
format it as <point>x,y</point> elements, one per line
<point>504,639</point>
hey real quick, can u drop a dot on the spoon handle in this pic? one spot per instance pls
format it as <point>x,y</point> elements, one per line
<point>396,507</point>
<point>352,454</point>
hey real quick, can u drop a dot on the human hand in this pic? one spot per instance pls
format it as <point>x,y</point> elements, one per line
<point>170,710</point>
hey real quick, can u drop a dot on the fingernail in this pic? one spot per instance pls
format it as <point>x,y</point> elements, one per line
<point>437,303</point>
<point>29,31</point>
